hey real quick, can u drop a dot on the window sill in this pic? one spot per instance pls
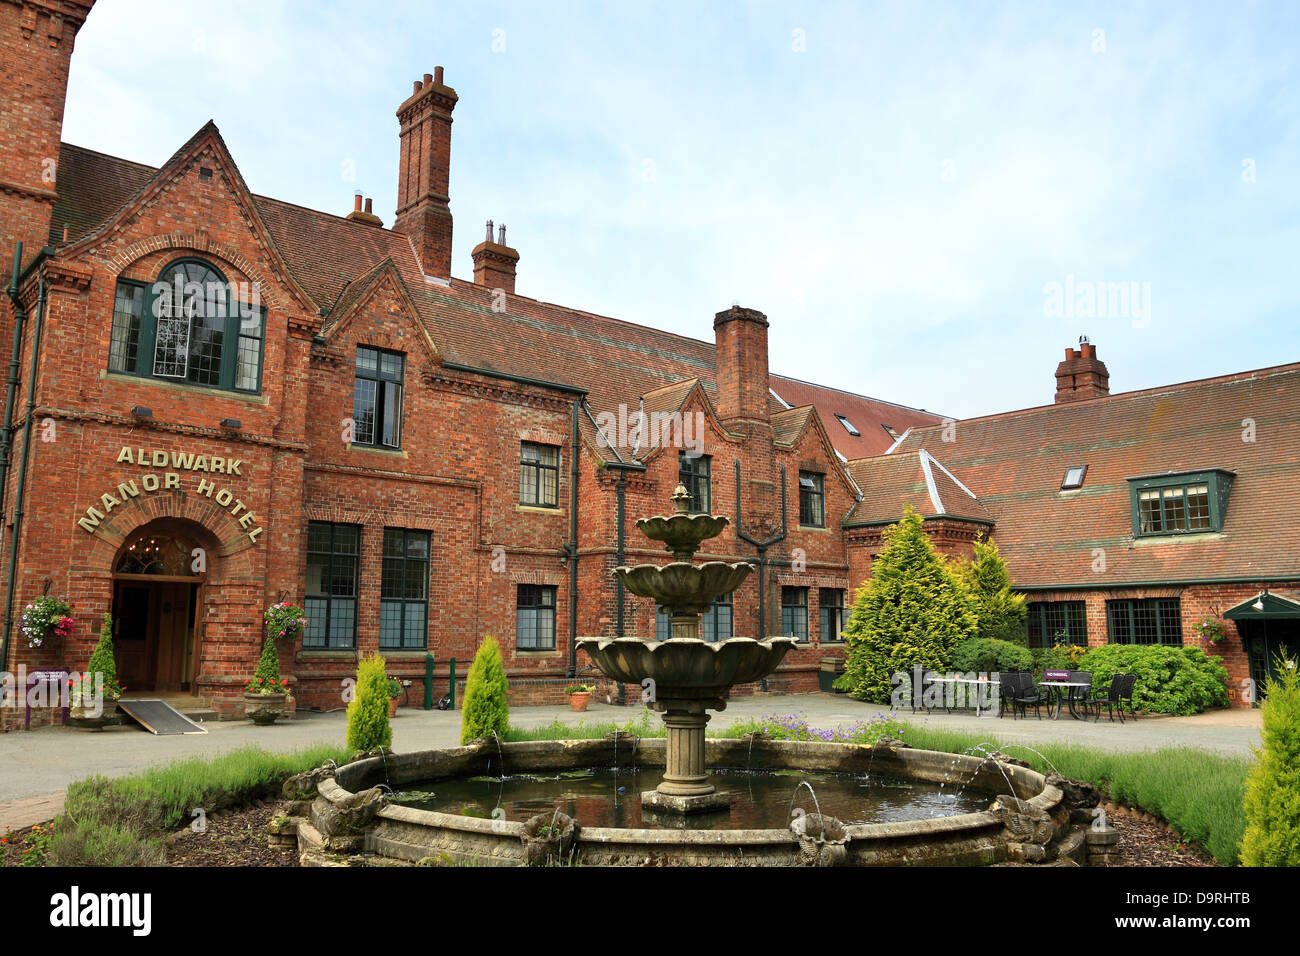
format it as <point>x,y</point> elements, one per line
<point>322,655</point>
<point>405,654</point>
<point>812,527</point>
<point>1171,538</point>
<point>371,450</point>
<point>541,509</point>
<point>539,654</point>
<point>122,378</point>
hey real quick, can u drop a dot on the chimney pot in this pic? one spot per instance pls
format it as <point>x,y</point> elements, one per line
<point>502,232</point>
<point>437,75</point>
<point>356,201</point>
<point>488,237</point>
<point>369,207</point>
<point>429,79</point>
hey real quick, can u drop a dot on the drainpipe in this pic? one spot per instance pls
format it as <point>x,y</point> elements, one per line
<point>571,549</point>
<point>22,465</point>
<point>762,547</point>
<point>11,388</point>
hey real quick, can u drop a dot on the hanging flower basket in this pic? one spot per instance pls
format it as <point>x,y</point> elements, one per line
<point>285,621</point>
<point>47,621</point>
<point>1211,631</point>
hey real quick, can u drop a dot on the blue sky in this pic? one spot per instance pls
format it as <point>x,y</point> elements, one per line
<point>897,186</point>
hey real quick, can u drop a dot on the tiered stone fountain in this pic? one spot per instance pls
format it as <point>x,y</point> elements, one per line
<point>685,676</point>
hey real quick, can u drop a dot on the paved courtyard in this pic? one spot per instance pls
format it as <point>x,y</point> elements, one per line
<point>36,767</point>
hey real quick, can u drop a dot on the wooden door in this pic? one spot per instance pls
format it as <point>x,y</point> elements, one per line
<point>132,637</point>
<point>174,617</point>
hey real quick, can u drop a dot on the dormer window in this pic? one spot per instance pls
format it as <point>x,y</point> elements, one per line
<point>1180,502</point>
<point>1073,477</point>
<point>848,425</point>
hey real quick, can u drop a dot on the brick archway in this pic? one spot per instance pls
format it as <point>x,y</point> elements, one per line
<point>205,245</point>
<point>222,534</point>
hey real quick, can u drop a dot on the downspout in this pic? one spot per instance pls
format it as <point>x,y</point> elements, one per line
<point>571,549</point>
<point>619,558</point>
<point>762,547</point>
<point>11,388</point>
<point>22,466</point>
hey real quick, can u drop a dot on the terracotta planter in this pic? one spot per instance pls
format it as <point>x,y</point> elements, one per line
<point>265,709</point>
<point>77,715</point>
<point>579,702</point>
<point>392,706</point>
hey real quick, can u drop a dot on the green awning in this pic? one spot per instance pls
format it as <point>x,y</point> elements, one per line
<point>1275,607</point>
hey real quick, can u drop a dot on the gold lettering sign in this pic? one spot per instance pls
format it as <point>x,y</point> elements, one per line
<point>171,481</point>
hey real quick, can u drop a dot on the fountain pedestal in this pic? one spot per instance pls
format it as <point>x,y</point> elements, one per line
<point>685,676</point>
<point>685,787</point>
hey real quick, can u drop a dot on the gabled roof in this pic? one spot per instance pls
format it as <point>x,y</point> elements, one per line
<point>1248,423</point>
<point>890,482</point>
<point>616,362</point>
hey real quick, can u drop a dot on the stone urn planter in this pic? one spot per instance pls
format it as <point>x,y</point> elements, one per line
<point>265,709</point>
<point>548,839</point>
<point>78,715</point>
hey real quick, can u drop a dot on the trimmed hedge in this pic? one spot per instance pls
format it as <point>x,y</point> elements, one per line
<point>1170,680</point>
<point>368,726</point>
<point>985,655</point>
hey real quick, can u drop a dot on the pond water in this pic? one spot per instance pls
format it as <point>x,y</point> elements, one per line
<point>760,800</point>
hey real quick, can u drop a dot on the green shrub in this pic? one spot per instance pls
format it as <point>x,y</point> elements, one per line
<point>266,679</point>
<point>486,711</point>
<point>999,612</point>
<point>1059,657</point>
<point>102,660</point>
<point>1272,801</point>
<point>911,613</point>
<point>1170,680</point>
<point>368,712</point>
<point>986,655</point>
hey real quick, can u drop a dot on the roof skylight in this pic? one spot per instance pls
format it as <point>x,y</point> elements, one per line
<point>848,425</point>
<point>1073,477</point>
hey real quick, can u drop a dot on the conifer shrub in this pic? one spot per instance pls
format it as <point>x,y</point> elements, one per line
<point>913,612</point>
<point>266,679</point>
<point>103,662</point>
<point>368,712</point>
<point>999,612</point>
<point>485,711</point>
<point>1170,680</point>
<point>1272,801</point>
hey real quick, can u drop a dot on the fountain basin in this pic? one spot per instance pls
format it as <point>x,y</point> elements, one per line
<point>687,670</point>
<point>402,833</point>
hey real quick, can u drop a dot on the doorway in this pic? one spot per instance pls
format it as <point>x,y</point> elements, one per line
<point>156,617</point>
<point>1264,641</point>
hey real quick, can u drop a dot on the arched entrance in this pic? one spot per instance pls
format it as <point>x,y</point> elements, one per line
<point>158,582</point>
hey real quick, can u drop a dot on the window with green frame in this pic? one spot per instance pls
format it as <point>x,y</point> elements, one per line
<point>1049,620</point>
<point>694,471</point>
<point>794,613</point>
<point>404,590</point>
<point>715,623</point>
<point>333,569</point>
<point>812,499</point>
<point>190,326</point>
<point>831,610</point>
<point>1145,621</point>
<point>377,398</point>
<point>1180,503</point>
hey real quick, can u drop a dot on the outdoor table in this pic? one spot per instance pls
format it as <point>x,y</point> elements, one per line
<point>1058,688</point>
<point>963,680</point>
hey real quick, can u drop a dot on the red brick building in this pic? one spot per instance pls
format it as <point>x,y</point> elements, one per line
<point>219,400</point>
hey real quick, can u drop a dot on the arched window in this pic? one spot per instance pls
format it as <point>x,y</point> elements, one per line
<point>191,326</point>
<point>157,554</point>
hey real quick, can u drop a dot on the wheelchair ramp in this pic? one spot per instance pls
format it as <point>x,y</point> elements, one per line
<point>158,717</point>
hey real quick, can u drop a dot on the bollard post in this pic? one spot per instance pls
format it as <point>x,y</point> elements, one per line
<point>452,680</point>
<point>428,682</point>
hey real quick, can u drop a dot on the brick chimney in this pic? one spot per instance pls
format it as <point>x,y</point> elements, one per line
<point>367,215</point>
<point>741,357</point>
<point>423,172</point>
<point>1082,375</point>
<point>495,262</point>
<point>36,39</point>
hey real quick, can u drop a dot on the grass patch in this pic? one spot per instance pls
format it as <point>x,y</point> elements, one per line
<point>646,724</point>
<point>121,821</point>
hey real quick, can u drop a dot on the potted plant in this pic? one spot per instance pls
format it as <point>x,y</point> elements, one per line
<point>1211,631</point>
<point>285,620</point>
<point>394,695</point>
<point>93,696</point>
<point>579,696</point>
<point>266,694</point>
<point>46,621</point>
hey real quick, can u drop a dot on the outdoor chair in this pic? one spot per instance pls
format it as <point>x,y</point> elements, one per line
<point>1109,698</point>
<point>1028,694</point>
<point>1008,682</point>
